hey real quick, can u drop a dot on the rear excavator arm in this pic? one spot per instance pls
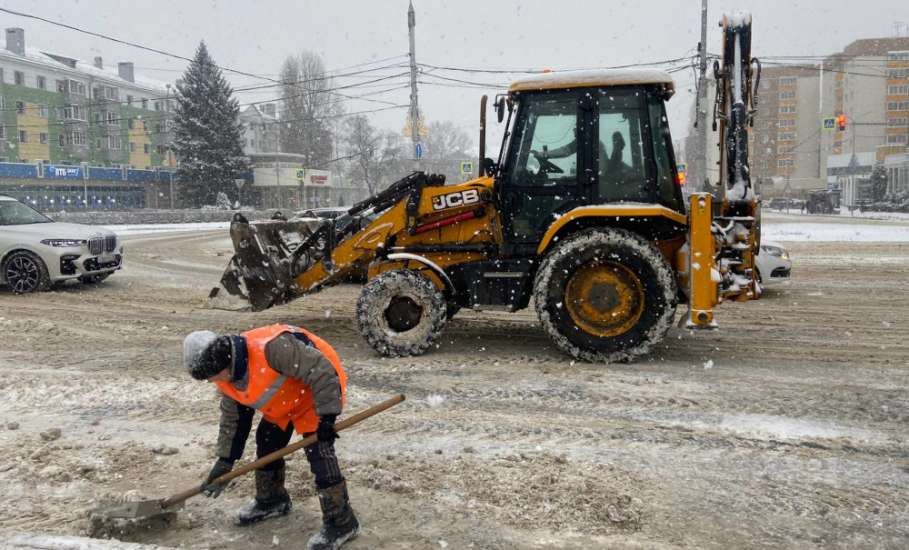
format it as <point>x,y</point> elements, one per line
<point>724,230</point>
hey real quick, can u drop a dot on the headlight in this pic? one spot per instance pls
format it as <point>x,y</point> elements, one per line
<point>64,243</point>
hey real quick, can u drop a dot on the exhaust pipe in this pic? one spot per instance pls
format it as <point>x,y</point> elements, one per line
<point>481,169</point>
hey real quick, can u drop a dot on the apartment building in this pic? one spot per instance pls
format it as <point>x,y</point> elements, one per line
<point>785,141</point>
<point>62,110</point>
<point>260,129</point>
<point>868,82</point>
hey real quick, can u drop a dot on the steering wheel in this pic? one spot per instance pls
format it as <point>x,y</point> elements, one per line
<point>546,166</point>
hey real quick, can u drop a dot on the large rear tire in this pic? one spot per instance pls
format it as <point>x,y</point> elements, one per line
<point>401,313</point>
<point>605,295</point>
<point>24,272</point>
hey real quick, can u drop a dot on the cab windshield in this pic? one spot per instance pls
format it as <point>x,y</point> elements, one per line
<point>16,213</point>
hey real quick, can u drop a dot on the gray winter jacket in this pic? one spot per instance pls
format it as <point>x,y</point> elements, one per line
<point>292,357</point>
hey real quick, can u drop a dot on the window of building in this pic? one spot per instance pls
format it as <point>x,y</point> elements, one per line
<point>111,93</point>
<point>74,112</point>
<point>61,139</point>
<point>61,86</point>
<point>897,90</point>
<point>785,123</point>
<point>42,138</point>
<point>784,109</point>
<point>896,139</point>
<point>787,81</point>
<point>145,125</point>
<point>19,78</point>
<point>111,118</point>
<point>144,103</point>
<point>785,136</point>
<point>2,102</point>
<point>787,95</point>
<point>42,111</point>
<point>782,163</point>
<point>146,148</point>
<point>20,107</point>
<point>158,128</point>
<point>129,99</point>
<point>2,132</point>
<point>132,147</point>
<point>130,123</point>
<point>23,136</point>
<point>41,82</point>
<point>2,79</point>
<point>76,87</point>
<point>898,122</point>
<point>114,142</point>
<point>898,56</point>
<point>157,105</point>
<point>97,117</point>
<point>897,73</point>
<point>77,138</point>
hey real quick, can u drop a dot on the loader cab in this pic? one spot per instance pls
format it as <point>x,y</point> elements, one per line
<point>584,139</point>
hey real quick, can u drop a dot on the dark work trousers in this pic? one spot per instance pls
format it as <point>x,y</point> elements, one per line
<point>323,463</point>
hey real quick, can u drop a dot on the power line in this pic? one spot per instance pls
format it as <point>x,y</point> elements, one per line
<point>121,41</point>
<point>538,71</point>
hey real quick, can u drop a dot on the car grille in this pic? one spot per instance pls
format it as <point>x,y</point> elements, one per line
<point>97,245</point>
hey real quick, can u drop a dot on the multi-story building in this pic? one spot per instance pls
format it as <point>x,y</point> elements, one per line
<point>785,141</point>
<point>868,83</point>
<point>61,110</point>
<point>260,129</point>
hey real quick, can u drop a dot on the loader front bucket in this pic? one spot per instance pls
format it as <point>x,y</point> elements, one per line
<point>267,257</point>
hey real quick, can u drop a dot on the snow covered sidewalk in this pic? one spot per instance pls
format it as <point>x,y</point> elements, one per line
<point>834,232</point>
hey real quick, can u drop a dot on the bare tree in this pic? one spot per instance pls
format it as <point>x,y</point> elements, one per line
<point>446,145</point>
<point>308,108</point>
<point>362,143</point>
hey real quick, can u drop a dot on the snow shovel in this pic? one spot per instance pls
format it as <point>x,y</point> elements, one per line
<point>151,508</point>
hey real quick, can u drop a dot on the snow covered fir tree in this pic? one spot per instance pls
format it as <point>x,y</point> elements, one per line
<point>208,135</point>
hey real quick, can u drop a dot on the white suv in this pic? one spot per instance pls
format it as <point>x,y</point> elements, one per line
<point>36,251</point>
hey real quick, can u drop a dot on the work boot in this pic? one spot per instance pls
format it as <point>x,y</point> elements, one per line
<point>339,524</point>
<point>271,499</point>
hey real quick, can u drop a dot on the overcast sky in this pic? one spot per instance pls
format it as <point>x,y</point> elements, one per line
<point>255,36</point>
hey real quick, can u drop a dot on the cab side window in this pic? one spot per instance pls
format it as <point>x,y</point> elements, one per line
<point>621,152</point>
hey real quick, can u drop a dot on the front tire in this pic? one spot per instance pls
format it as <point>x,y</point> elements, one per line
<point>401,313</point>
<point>25,272</point>
<point>605,295</point>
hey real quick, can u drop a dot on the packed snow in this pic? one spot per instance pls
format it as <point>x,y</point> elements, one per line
<point>154,228</point>
<point>834,232</point>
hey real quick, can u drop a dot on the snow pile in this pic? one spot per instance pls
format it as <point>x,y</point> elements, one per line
<point>834,232</point>
<point>141,229</point>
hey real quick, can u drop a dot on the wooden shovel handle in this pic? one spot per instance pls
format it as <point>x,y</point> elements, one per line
<point>280,453</point>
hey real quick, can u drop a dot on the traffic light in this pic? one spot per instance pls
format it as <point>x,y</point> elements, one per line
<point>841,123</point>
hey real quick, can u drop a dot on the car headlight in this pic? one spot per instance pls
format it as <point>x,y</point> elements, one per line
<point>775,251</point>
<point>64,243</point>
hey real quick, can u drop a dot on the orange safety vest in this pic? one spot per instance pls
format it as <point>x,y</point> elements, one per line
<point>279,398</point>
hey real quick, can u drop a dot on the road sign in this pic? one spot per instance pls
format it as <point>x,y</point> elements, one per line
<point>418,151</point>
<point>830,123</point>
<point>466,167</point>
<point>301,174</point>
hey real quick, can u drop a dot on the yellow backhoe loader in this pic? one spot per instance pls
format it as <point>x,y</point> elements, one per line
<point>582,212</point>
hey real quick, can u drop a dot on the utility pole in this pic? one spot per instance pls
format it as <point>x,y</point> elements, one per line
<point>414,106</point>
<point>700,153</point>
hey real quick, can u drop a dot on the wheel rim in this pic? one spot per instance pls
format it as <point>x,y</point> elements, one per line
<point>22,274</point>
<point>604,299</point>
<point>403,313</point>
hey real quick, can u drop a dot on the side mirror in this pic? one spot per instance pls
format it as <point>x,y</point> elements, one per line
<point>500,109</point>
